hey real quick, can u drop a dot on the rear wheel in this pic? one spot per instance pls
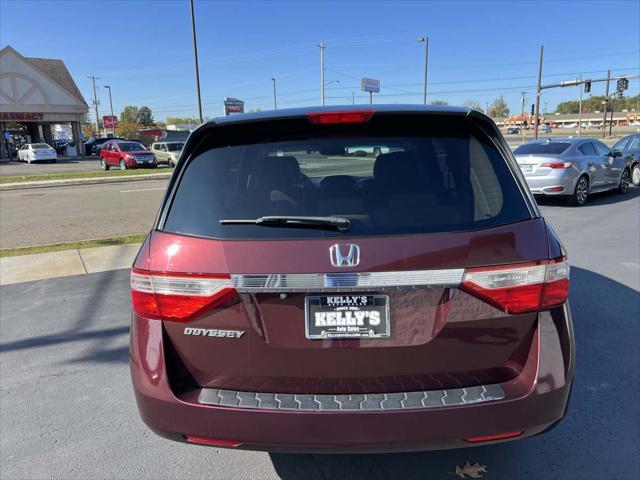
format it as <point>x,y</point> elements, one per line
<point>123,165</point>
<point>103,164</point>
<point>624,181</point>
<point>581,192</point>
<point>635,175</point>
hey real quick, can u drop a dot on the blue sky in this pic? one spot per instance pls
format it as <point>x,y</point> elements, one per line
<point>478,50</point>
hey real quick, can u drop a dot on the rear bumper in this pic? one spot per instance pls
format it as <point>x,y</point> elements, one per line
<point>559,182</point>
<point>534,401</point>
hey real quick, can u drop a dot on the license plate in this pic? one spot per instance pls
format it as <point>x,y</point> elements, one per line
<point>347,316</point>
<point>526,168</point>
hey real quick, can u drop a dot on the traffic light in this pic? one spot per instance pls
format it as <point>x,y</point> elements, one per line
<point>533,109</point>
<point>587,86</point>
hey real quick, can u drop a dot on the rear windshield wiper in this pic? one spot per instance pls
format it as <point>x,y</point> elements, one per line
<point>339,223</point>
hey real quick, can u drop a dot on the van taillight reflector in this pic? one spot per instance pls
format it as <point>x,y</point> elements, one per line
<point>212,441</point>
<point>498,436</point>
<point>523,288</point>
<point>347,116</point>
<point>177,297</point>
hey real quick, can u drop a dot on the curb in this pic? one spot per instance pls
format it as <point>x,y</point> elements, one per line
<point>81,181</point>
<point>65,263</point>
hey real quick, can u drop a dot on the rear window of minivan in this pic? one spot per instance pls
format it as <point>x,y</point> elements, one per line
<point>393,175</point>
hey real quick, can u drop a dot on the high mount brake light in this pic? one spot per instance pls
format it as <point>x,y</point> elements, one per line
<point>523,288</point>
<point>346,116</point>
<point>556,164</point>
<point>177,297</point>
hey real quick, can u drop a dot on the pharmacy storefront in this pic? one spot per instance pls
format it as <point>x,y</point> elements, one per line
<point>39,102</point>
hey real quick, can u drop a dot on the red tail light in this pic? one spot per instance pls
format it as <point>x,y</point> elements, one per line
<point>212,441</point>
<point>347,116</point>
<point>523,288</point>
<point>556,164</point>
<point>498,436</point>
<point>177,297</point>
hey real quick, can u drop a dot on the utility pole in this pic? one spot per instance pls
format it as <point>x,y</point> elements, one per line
<point>613,109</point>
<point>606,105</point>
<point>589,111</point>
<point>426,65</point>
<point>538,94</point>
<point>113,128</point>
<point>322,47</point>
<point>523,100</point>
<point>195,58</point>
<point>370,98</point>
<point>580,109</point>
<point>275,98</point>
<point>353,98</point>
<point>95,102</point>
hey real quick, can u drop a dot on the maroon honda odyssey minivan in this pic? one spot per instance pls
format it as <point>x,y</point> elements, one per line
<point>339,280</point>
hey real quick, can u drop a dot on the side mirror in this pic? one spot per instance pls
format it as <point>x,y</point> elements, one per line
<point>616,153</point>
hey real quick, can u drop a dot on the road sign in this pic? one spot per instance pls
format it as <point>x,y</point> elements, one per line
<point>370,85</point>
<point>233,105</point>
<point>110,121</point>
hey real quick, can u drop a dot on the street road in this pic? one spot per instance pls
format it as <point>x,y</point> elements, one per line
<point>63,165</point>
<point>39,216</point>
<point>67,409</point>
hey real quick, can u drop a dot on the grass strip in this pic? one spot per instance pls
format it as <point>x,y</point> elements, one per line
<point>56,247</point>
<point>81,175</point>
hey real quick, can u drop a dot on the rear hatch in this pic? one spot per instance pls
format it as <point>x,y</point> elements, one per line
<point>395,300</point>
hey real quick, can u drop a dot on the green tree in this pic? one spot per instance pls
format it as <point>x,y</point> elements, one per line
<point>128,130</point>
<point>475,105</point>
<point>187,120</point>
<point>439,102</point>
<point>499,108</point>
<point>88,131</point>
<point>596,103</point>
<point>145,117</point>
<point>130,114</point>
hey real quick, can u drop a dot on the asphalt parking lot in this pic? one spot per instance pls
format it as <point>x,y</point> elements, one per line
<point>67,409</point>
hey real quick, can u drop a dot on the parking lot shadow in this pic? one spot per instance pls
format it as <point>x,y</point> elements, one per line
<point>598,439</point>
<point>79,319</point>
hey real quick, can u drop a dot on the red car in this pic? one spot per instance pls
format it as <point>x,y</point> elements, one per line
<point>293,297</point>
<point>126,154</point>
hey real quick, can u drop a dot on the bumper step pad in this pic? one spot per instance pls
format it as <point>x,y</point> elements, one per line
<point>351,403</point>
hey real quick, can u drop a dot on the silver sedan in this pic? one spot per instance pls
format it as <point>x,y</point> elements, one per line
<point>572,168</point>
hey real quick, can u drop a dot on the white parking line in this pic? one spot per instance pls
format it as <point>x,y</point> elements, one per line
<point>143,189</point>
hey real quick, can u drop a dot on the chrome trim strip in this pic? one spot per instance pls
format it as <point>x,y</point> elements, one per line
<point>345,282</point>
<point>354,402</point>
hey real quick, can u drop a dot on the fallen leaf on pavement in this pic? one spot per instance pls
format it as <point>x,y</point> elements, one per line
<point>473,471</point>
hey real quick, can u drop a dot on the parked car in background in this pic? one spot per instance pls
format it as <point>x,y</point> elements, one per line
<point>167,152</point>
<point>571,167</point>
<point>60,146</point>
<point>317,302</point>
<point>544,128</point>
<point>92,147</point>
<point>37,152</point>
<point>125,154</point>
<point>368,150</point>
<point>629,149</point>
<point>513,130</point>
